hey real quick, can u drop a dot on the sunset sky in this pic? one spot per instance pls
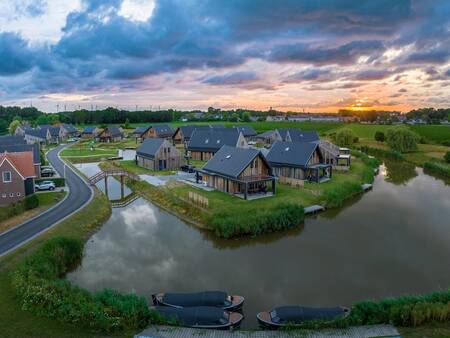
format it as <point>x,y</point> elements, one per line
<point>316,55</point>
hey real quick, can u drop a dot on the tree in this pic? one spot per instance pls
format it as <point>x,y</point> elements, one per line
<point>379,136</point>
<point>234,117</point>
<point>447,157</point>
<point>401,139</point>
<point>246,116</point>
<point>13,126</point>
<point>345,137</point>
<point>42,119</point>
<point>126,125</point>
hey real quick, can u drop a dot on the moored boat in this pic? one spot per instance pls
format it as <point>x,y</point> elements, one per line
<point>217,299</point>
<point>201,317</point>
<point>296,315</point>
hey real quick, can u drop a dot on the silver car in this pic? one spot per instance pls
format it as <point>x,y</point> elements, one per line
<point>45,185</point>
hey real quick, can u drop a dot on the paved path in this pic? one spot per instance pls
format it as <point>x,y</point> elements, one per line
<point>351,332</point>
<point>79,194</point>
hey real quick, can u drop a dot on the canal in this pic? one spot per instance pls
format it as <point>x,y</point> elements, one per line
<point>391,241</point>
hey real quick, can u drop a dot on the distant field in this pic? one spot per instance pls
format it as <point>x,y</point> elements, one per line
<point>433,133</point>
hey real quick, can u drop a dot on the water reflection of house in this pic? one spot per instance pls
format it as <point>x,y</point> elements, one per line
<point>239,171</point>
<point>299,160</point>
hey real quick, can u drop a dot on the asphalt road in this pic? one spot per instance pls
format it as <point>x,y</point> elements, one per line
<point>79,194</point>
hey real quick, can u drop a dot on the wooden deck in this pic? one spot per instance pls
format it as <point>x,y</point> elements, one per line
<point>370,331</point>
<point>314,209</point>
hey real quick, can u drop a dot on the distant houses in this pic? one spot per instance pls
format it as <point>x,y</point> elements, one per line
<point>67,131</point>
<point>140,133</point>
<point>158,154</point>
<point>52,132</point>
<point>182,135</point>
<point>17,176</point>
<point>90,132</point>
<point>160,131</point>
<point>203,144</point>
<point>242,172</point>
<point>248,132</point>
<point>299,160</point>
<point>38,136</point>
<point>110,134</point>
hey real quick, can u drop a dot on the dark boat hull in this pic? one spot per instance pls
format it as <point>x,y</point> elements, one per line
<point>236,302</point>
<point>265,321</point>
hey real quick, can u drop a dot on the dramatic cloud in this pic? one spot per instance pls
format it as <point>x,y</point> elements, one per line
<point>192,54</point>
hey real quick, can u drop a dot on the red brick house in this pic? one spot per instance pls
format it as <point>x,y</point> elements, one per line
<point>17,176</point>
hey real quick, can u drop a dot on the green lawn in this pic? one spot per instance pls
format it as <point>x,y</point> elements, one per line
<point>132,167</point>
<point>433,330</point>
<point>15,322</point>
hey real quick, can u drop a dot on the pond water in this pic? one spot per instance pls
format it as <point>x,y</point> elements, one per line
<point>114,192</point>
<point>391,241</point>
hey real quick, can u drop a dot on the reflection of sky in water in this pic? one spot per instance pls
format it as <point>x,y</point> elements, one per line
<point>114,193</point>
<point>394,240</point>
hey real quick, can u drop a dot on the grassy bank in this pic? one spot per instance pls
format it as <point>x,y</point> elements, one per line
<point>132,167</point>
<point>230,216</point>
<point>14,321</point>
<point>439,168</point>
<point>21,211</point>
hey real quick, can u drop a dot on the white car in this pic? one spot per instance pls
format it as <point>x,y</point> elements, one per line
<point>45,185</point>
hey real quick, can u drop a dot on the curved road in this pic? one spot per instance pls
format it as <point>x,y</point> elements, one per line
<point>79,194</point>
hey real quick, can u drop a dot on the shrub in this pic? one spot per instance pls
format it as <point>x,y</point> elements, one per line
<point>31,202</point>
<point>447,157</point>
<point>345,137</point>
<point>282,216</point>
<point>40,290</point>
<point>401,139</point>
<point>439,168</point>
<point>379,136</point>
<point>335,197</point>
<point>391,154</point>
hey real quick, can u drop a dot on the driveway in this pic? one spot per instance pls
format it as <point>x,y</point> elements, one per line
<point>79,194</point>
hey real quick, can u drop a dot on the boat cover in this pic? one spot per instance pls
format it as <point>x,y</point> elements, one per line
<point>207,298</point>
<point>299,314</point>
<point>199,315</point>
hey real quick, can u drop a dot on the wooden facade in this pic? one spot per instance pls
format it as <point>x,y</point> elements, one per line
<point>167,157</point>
<point>107,136</point>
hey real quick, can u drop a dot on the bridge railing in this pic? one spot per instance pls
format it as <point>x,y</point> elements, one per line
<point>111,172</point>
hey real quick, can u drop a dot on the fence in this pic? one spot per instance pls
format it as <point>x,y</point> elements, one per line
<point>292,181</point>
<point>198,199</point>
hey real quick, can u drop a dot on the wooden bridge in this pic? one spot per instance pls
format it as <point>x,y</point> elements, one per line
<point>104,174</point>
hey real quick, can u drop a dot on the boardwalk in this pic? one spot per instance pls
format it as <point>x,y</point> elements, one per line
<point>352,332</point>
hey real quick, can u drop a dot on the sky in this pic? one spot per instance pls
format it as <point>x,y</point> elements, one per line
<point>291,55</point>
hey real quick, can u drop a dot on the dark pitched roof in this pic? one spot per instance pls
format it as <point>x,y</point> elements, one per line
<point>69,128</point>
<point>212,139</point>
<point>231,161</point>
<point>20,148</point>
<point>150,147</point>
<point>247,131</point>
<point>140,130</point>
<point>41,133</point>
<point>163,130</point>
<point>54,131</point>
<point>294,154</point>
<point>114,131</point>
<point>12,139</point>
<point>189,129</point>
<point>304,136</point>
<point>88,130</point>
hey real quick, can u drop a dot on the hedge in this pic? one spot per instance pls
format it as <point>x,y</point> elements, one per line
<point>40,289</point>
<point>283,216</point>
<point>392,154</point>
<point>439,168</point>
<point>16,208</point>
<point>59,181</point>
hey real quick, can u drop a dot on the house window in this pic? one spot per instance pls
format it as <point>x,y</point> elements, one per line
<point>18,194</point>
<point>11,194</point>
<point>3,195</point>
<point>6,176</point>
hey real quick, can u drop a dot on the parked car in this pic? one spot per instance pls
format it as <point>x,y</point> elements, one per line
<point>218,299</point>
<point>189,168</point>
<point>47,172</point>
<point>45,185</point>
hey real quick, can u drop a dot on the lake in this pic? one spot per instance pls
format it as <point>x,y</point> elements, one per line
<point>391,241</point>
